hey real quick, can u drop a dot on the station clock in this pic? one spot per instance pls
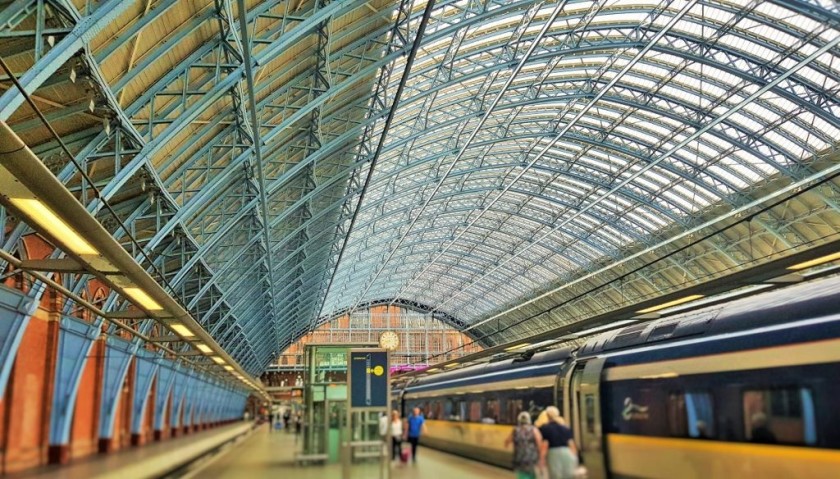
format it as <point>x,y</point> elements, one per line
<point>389,340</point>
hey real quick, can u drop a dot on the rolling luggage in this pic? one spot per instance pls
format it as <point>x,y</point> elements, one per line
<point>405,455</point>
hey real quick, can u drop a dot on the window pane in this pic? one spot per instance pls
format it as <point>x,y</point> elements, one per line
<point>779,415</point>
<point>437,410</point>
<point>691,415</point>
<point>677,421</point>
<point>491,412</point>
<point>449,410</point>
<point>475,411</point>
<point>589,411</point>
<point>513,408</point>
<point>700,415</point>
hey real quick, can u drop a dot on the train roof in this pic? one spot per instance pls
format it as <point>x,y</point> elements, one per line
<point>493,367</point>
<point>801,301</point>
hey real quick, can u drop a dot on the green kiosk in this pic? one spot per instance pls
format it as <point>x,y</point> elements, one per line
<point>346,389</point>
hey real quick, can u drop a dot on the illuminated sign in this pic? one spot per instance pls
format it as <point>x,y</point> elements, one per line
<point>369,379</point>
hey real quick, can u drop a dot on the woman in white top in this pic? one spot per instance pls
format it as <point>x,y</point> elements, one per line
<point>396,434</point>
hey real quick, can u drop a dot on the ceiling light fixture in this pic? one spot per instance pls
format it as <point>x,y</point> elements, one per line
<point>44,217</point>
<point>184,331</point>
<point>204,348</point>
<point>144,300</point>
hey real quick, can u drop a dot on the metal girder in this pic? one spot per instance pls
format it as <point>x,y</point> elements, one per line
<point>413,218</point>
<point>161,140</point>
<point>710,59</point>
<point>662,157</point>
<point>397,41</point>
<point>49,63</point>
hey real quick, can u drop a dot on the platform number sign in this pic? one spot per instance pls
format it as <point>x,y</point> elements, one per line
<point>369,379</point>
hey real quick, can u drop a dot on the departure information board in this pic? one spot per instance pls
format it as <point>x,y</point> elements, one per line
<point>369,379</point>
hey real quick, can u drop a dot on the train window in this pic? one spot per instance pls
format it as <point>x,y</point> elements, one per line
<point>435,410</point>
<point>691,414</point>
<point>462,410</point>
<point>491,411</point>
<point>779,415</point>
<point>512,409</point>
<point>449,412</point>
<point>475,411</point>
<point>589,412</point>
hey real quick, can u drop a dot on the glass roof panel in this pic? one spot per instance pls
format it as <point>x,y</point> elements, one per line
<point>546,161</point>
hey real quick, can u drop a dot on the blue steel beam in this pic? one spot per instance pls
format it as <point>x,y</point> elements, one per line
<point>47,65</point>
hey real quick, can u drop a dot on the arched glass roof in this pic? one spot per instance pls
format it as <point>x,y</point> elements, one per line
<point>243,144</point>
<point>534,139</point>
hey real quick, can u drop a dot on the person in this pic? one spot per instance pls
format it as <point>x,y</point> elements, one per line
<point>559,446</point>
<point>287,417</point>
<point>384,423</point>
<point>526,440</point>
<point>761,433</point>
<point>275,419</point>
<point>416,427</point>
<point>298,423</point>
<point>396,435</point>
<point>540,421</point>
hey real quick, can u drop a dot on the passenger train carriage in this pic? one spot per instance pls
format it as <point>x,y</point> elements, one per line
<point>750,388</point>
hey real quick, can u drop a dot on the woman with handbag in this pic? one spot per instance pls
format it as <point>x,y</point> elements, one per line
<point>527,442</point>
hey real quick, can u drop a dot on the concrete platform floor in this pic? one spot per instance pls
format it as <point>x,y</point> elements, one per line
<point>267,454</point>
<point>139,462</point>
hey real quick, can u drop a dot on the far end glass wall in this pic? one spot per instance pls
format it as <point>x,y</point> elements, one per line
<point>424,339</point>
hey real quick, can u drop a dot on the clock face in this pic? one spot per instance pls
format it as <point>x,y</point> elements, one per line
<point>389,340</point>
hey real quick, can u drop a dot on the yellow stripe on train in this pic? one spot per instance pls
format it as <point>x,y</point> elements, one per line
<point>485,442</point>
<point>668,458</point>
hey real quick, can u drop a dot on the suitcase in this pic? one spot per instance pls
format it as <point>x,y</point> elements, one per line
<point>405,455</point>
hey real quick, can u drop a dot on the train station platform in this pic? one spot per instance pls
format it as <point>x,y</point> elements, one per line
<point>266,454</point>
<point>238,450</point>
<point>152,460</point>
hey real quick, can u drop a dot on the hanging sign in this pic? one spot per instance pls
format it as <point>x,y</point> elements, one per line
<point>369,378</point>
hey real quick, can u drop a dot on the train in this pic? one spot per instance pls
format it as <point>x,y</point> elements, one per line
<point>746,388</point>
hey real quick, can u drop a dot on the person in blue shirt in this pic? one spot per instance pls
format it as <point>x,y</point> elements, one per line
<point>416,427</point>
